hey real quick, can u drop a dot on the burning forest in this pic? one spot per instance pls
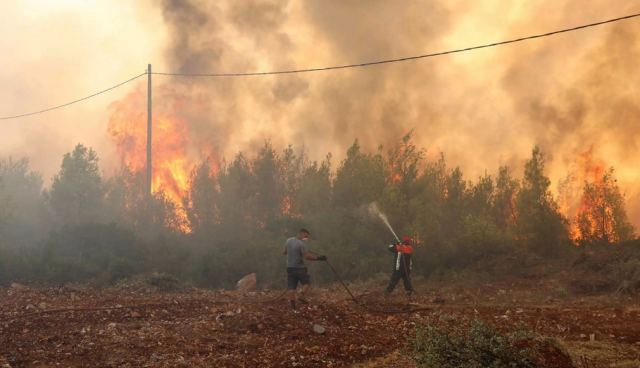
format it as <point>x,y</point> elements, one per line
<point>330,184</point>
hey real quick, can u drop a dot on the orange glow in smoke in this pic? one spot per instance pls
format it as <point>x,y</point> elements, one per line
<point>172,165</point>
<point>573,204</point>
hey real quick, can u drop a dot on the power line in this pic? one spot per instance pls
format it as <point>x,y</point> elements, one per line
<point>388,61</point>
<point>307,70</point>
<point>74,101</point>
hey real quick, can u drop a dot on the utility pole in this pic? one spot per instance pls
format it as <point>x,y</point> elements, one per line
<point>149,126</point>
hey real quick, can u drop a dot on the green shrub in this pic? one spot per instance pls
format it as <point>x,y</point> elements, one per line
<point>484,347</point>
<point>92,252</point>
<point>607,268</point>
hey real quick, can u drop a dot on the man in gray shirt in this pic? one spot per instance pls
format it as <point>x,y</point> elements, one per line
<point>296,253</point>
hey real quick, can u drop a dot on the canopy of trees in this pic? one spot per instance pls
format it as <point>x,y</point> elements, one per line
<point>88,227</point>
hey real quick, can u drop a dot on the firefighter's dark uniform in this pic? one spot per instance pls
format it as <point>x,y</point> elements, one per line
<point>401,267</point>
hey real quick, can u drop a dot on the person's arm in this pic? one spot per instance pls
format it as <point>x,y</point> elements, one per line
<point>310,256</point>
<point>393,249</point>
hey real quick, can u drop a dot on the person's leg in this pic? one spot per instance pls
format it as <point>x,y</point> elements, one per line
<point>292,284</point>
<point>303,292</point>
<point>305,281</point>
<point>406,280</point>
<point>395,277</point>
<point>292,298</point>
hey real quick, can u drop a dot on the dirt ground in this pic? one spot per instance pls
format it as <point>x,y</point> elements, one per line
<point>72,327</point>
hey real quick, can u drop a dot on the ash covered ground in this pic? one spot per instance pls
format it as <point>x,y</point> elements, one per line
<point>139,326</point>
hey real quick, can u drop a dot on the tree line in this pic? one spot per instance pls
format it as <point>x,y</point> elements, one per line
<point>234,220</point>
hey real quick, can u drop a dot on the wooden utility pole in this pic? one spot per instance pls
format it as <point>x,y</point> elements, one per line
<point>149,126</point>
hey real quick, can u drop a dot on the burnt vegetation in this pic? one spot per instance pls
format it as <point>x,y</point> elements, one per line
<point>236,214</point>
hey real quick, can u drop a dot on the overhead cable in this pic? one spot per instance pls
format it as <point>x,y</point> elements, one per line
<point>74,101</point>
<point>327,68</point>
<point>408,58</point>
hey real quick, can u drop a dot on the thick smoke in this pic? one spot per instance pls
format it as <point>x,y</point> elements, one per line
<point>322,112</point>
<point>570,94</point>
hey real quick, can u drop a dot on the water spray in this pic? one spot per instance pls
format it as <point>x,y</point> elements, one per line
<point>375,211</point>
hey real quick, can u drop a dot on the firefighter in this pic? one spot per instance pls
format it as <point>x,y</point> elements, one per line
<point>401,266</point>
<point>296,253</point>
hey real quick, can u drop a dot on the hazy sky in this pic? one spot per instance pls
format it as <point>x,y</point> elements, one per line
<point>570,93</point>
<point>60,50</point>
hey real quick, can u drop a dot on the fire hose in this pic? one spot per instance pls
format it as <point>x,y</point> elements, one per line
<point>367,307</point>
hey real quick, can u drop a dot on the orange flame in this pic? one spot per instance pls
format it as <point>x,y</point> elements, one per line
<point>587,169</point>
<point>285,206</point>
<point>396,178</point>
<point>171,162</point>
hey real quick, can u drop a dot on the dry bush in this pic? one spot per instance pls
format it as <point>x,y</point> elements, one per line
<point>481,346</point>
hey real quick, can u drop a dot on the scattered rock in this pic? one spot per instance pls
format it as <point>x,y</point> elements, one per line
<point>247,283</point>
<point>224,315</point>
<point>17,286</point>
<point>4,363</point>
<point>319,329</point>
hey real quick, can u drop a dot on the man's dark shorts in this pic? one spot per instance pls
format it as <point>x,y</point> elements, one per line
<point>295,275</point>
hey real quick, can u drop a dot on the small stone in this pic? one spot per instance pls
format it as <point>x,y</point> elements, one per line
<point>247,283</point>
<point>319,329</point>
<point>18,286</point>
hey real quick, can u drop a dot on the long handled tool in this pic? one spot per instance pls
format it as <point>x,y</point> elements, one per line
<point>335,273</point>
<point>411,309</point>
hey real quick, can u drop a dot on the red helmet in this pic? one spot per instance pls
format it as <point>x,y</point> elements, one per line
<point>406,240</point>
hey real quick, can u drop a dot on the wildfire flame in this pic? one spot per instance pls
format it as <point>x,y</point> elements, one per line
<point>174,160</point>
<point>586,169</point>
<point>172,163</point>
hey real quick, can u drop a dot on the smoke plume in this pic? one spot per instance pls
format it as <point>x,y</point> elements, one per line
<point>570,94</point>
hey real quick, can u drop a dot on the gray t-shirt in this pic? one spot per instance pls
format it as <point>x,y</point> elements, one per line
<point>295,253</point>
